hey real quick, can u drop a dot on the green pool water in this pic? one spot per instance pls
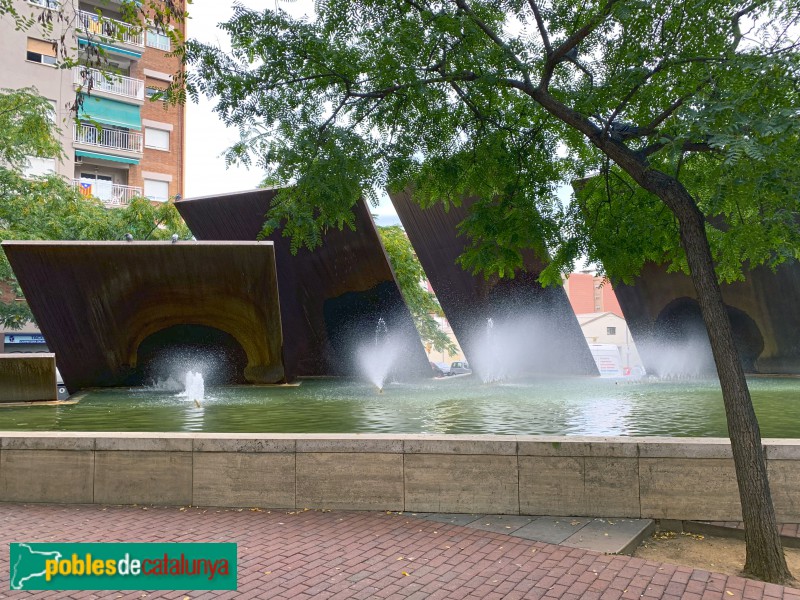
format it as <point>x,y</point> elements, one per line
<point>457,405</point>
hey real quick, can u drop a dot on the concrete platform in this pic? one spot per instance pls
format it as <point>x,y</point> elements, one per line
<point>608,536</point>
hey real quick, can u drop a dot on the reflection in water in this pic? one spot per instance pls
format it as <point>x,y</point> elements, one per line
<point>577,406</point>
<point>602,416</point>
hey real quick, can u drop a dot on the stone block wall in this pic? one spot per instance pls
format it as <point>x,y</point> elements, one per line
<point>659,478</point>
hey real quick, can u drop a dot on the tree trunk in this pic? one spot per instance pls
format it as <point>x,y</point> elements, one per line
<point>765,559</point>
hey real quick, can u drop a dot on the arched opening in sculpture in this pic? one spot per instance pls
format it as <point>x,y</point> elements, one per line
<point>174,350</point>
<point>681,322</point>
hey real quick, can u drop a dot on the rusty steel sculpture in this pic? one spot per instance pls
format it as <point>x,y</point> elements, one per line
<point>332,298</point>
<point>661,309</point>
<point>111,307</point>
<point>541,328</point>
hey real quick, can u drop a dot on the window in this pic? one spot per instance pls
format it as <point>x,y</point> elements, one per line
<point>157,39</point>
<point>41,52</point>
<point>156,190</point>
<point>51,4</point>
<point>611,331</point>
<point>54,114</point>
<point>156,138</point>
<point>39,166</point>
<point>152,91</point>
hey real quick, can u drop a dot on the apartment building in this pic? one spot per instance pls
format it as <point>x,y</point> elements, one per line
<point>122,144</point>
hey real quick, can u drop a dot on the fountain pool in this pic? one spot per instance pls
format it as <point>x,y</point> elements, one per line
<point>462,405</point>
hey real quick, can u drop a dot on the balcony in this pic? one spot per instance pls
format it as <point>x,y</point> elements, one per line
<point>111,194</point>
<point>110,139</point>
<point>91,80</point>
<point>92,24</point>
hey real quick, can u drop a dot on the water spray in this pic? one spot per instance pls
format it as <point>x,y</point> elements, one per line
<point>377,357</point>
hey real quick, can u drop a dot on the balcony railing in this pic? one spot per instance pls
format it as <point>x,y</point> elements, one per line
<point>93,79</point>
<point>112,29</point>
<point>115,139</point>
<point>112,194</point>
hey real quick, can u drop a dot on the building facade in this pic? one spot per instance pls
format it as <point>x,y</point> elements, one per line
<point>122,144</point>
<point>595,304</point>
<point>608,328</point>
<point>589,293</point>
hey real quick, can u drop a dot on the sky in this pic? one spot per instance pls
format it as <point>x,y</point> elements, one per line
<point>207,138</point>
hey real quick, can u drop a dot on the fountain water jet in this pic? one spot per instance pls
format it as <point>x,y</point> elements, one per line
<point>490,356</point>
<point>516,343</point>
<point>377,358</point>
<point>195,387</point>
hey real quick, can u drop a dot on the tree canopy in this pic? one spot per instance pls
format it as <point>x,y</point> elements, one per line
<point>373,93</point>
<point>27,122</point>
<point>690,110</point>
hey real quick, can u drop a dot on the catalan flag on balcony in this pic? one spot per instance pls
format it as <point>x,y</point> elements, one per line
<point>86,189</point>
<point>95,25</point>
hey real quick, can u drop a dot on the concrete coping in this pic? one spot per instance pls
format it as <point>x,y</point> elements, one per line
<point>46,440</point>
<point>506,445</point>
<point>244,442</point>
<point>688,447</point>
<point>559,445</point>
<point>782,449</point>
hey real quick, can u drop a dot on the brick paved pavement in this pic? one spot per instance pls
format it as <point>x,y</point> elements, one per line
<point>367,555</point>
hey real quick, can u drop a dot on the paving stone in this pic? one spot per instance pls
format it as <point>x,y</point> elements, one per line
<point>452,518</point>
<point>500,523</point>
<point>552,530</point>
<point>611,536</point>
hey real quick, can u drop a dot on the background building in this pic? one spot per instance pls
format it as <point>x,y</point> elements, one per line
<point>123,145</point>
<point>589,293</point>
<point>600,316</point>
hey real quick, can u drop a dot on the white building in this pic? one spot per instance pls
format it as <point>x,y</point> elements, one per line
<point>609,328</point>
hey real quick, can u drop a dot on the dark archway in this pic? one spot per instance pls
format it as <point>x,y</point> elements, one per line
<point>173,351</point>
<point>681,321</point>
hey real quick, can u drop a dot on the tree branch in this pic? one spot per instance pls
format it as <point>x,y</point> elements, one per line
<point>572,41</point>
<point>495,38</point>
<point>737,33</point>
<point>667,112</point>
<point>629,96</point>
<point>447,78</point>
<point>685,147</point>
<point>542,29</point>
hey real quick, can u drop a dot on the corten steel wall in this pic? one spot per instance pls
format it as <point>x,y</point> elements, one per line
<point>469,300</point>
<point>771,300</point>
<point>28,377</point>
<point>95,302</point>
<point>531,475</point>
<point>332,297</point>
